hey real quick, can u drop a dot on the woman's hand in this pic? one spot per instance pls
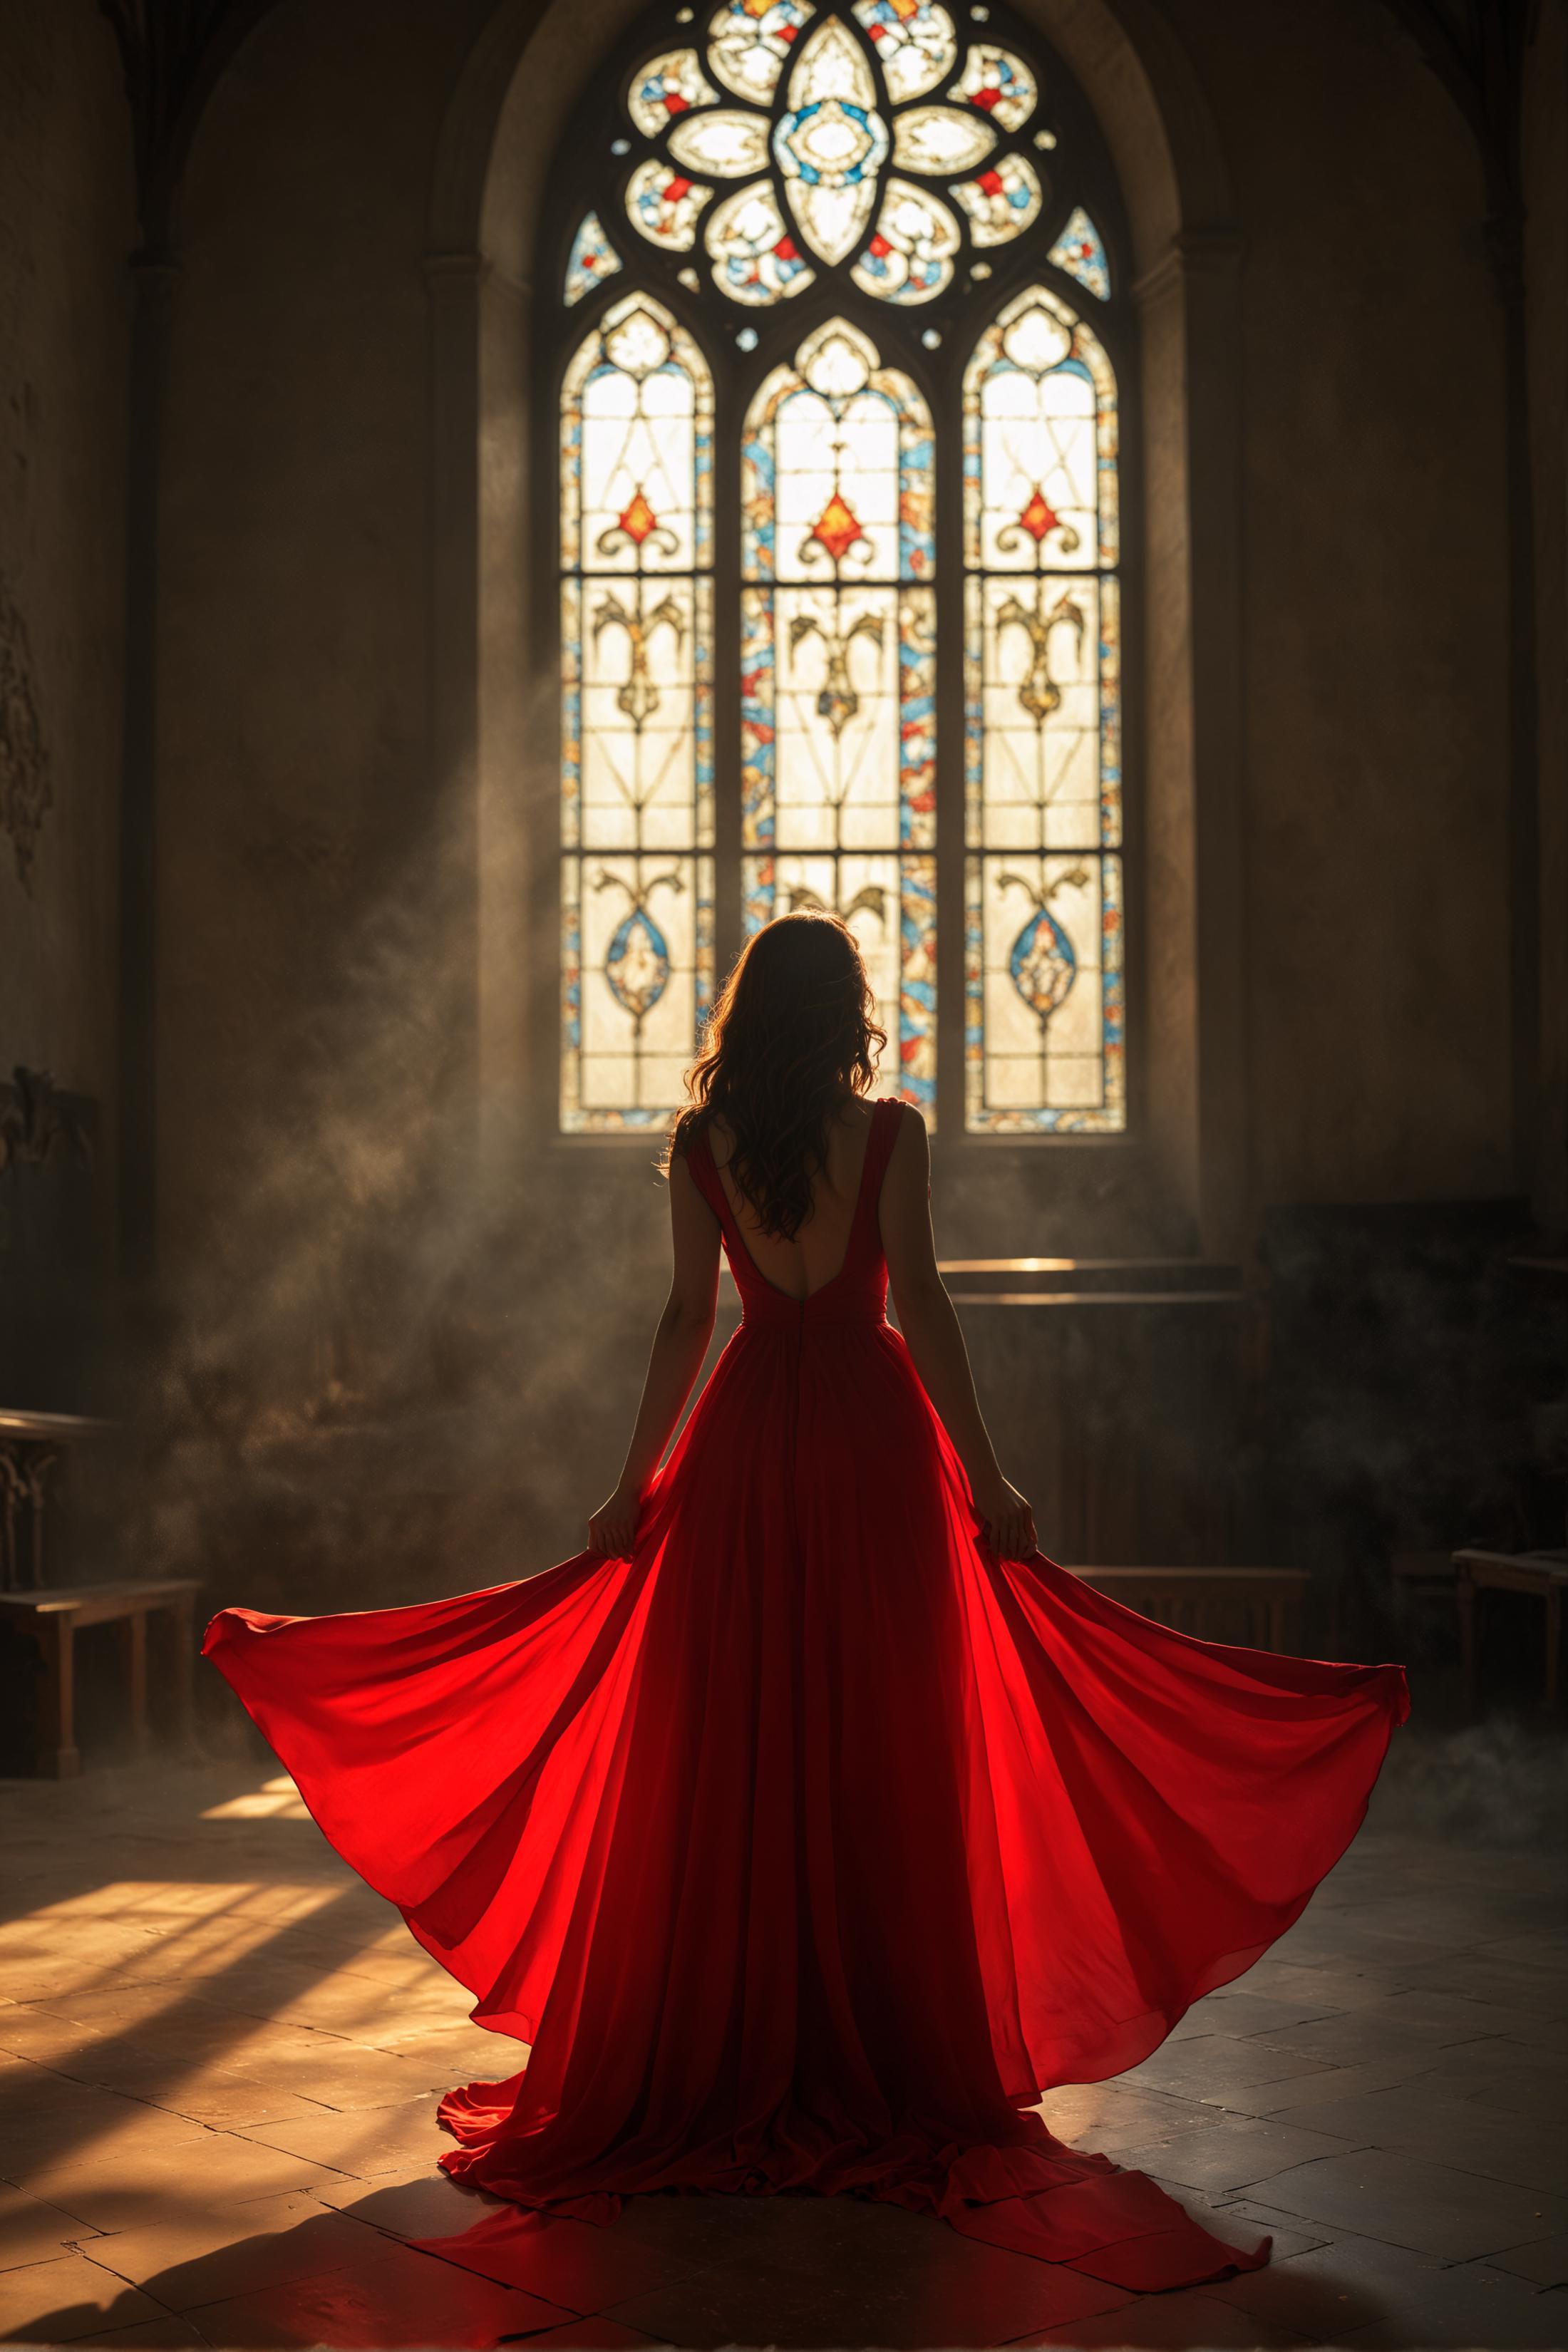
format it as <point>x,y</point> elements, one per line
<point>613,1528</point>
<point>1006,1518</point>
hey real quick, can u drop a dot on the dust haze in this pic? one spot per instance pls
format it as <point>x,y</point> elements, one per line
<point>381,1372</point>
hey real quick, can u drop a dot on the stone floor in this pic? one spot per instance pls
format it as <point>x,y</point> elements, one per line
<point>220,2058</point>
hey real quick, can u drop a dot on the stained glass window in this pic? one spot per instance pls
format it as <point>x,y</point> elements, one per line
<point>751,720</point>
<point>636,628</point>
<point>665,87</point>
<point>593,259</point>
<point>838,670</point>
<point>1044,896</point>
<point>914,41</point>
<point>1000,84</point>
<point>829,102</point>
<point>1081,251</point>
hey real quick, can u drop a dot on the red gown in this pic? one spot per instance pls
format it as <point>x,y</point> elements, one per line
<point>810,1844</point>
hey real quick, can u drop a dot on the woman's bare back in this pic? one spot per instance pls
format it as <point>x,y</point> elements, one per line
<point>808,1263</point>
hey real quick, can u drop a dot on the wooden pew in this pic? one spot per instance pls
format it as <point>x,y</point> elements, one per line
<point>1211,1601</point>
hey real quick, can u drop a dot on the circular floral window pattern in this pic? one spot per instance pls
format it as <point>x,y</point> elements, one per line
<point>795,139</point>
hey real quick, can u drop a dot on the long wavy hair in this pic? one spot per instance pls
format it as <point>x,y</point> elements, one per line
<point>790,1036</point>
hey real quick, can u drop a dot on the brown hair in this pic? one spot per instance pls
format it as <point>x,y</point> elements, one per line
<point>791,1035</point>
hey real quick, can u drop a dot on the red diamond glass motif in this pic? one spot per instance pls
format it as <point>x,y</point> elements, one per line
<point>838,527</point>
<point>638,519</point>
<point>1040,517</point>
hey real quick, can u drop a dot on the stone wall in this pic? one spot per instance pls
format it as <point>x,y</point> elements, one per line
<point>1545,158</point>
<point>295,619</point>
<point>1377,602</point>
<point>67,224</point>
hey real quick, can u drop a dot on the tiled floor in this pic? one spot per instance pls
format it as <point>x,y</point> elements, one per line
<point>220,2058</point>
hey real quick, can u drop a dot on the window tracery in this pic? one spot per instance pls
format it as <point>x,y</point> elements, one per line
<point>797,209</point>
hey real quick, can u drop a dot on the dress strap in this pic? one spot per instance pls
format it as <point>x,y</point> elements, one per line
<point>886,1121</point>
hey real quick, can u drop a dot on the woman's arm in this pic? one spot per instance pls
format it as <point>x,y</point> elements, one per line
<point>679,1344</point>
<point>933,1336</point>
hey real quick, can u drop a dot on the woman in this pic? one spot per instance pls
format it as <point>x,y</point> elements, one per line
<point>810,1823</point>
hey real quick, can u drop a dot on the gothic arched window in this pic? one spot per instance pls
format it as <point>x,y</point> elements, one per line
<point>836,295</point>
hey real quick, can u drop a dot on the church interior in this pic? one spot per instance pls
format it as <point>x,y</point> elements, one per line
<point>497,498</point>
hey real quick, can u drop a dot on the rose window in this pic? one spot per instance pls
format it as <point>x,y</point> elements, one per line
<point>880,140</point>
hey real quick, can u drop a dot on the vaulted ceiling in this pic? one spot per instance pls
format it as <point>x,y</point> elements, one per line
<point>174,51</point>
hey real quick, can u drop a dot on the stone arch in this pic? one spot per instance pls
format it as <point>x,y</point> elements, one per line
<point>1182,1179</point>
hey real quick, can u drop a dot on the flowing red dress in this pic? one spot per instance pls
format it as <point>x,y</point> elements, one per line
<point>810,1844</point>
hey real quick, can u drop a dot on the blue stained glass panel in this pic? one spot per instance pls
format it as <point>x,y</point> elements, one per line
<point>1080,250</point>
<point>1044,982</point>
<point>838,673</point>
<point>593,259</point>
<point>636,724</point>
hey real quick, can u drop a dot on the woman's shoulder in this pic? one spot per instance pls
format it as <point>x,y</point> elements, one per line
<point>690,1146</point>
<point>869,1111</point>
<point>690,1129</point>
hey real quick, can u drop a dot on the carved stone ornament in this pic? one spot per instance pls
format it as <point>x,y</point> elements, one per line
<point>26,791</point>
<point>33,1118</point>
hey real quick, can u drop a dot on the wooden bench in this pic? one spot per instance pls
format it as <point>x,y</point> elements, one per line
<point>1198,1600</point>
<point>54,1619</point>
<point>1541,1574</point>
